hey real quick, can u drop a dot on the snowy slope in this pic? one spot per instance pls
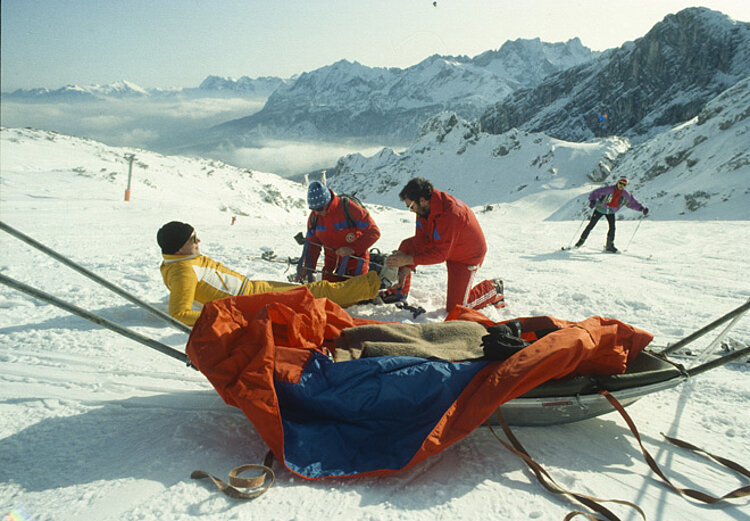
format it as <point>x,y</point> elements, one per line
<point>702,167</point>
<point>95,426</point>
<point>699,169</point>
<point>156,178</point>
<point>481,168</point>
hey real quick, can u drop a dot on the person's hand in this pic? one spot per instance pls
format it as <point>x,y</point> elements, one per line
<point>592,204</point>
<point>398,259</point>
<point>645,212</point>
<point>302,275</point>
<point>344,251</point>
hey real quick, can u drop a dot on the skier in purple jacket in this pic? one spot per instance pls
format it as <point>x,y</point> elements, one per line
<point>606,201</point>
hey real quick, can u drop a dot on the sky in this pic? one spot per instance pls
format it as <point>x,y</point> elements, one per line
<point>177,43</point>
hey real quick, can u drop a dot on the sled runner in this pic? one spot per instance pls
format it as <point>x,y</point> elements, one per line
<point>576,399</point>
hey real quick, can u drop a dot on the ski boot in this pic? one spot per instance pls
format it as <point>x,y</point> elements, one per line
<point>610,247</point>
<point>391,295</point>
<point>399,292</point>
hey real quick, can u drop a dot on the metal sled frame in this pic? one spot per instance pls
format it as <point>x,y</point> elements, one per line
<point>576,399</point>
<point>565,401</point>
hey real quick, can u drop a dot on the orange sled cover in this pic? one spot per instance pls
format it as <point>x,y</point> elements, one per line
<point>268,355</point>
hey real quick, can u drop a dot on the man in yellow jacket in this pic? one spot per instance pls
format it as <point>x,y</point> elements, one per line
<point>190,277</point>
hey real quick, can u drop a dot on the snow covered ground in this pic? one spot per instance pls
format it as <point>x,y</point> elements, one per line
<point>95,426</point>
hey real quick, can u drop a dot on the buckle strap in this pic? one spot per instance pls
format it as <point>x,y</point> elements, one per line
<point>268,477</point>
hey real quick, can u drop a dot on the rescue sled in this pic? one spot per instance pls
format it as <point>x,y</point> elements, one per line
<point>579,398</point>
<point>576,399</point>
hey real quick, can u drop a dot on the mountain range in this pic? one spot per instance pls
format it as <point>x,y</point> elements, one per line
<point>645,86</point>
<point>349,100</point>
<point>212,86</point>
<point>696,170</point>
<point>677,99</point>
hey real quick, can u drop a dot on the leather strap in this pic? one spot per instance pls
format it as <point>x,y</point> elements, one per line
<point>594,503</point>
<point>230,489</point>
<point>689,492</point>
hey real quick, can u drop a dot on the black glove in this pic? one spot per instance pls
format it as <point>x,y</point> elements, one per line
<point>592,204</point>
<point>503,341</point>
<point>645,211</point>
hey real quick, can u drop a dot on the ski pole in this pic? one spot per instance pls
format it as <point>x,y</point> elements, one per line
<point>271,257</point>
<point>93,317</point>
<point>570,243</point>
<point>301,241</point>
<point>96,278</point>
<point>640,220</point>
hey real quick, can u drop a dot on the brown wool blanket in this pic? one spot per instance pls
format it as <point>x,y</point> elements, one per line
<point>454,340</point>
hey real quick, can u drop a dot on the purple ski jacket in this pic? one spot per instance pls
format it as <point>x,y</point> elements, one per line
<point>602,196</point>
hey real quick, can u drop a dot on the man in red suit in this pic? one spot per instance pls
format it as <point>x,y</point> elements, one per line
<point>447,231</point>
<point>343,228</point>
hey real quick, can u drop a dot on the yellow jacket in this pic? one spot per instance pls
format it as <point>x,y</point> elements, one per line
<point>199,278</point>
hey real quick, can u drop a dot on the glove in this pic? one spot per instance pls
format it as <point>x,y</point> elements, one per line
<point>645,211</point>
<point>592,204</point>
<point>503,341</point>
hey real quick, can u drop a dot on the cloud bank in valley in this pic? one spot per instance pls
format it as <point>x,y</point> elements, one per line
<point>153,124</point>
<point>290,158</point>
<point>175,126</point>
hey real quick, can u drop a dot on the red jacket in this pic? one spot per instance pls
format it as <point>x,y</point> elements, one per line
<point>450,232</point>
<point>332,230</point>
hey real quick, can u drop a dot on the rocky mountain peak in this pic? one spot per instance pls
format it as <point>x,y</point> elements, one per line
<point>659,80</point>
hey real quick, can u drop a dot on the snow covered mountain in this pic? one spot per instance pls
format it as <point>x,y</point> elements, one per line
<point>477,167</point>
<point>700,165</point>
<point>346,99</point>
<point>212,86</point>
<point>697,170</point>
<point>67,93</point>
<point>661,79</point>
<point>262,86</point>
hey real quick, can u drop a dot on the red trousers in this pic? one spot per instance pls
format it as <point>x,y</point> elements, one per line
<point>460,290</point>
<point>460,280</point>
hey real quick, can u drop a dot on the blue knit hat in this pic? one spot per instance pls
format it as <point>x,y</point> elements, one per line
<point>318,195</point>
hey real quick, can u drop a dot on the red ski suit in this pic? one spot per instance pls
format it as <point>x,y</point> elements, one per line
<point>450,234</point>
<point>332,231</point>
